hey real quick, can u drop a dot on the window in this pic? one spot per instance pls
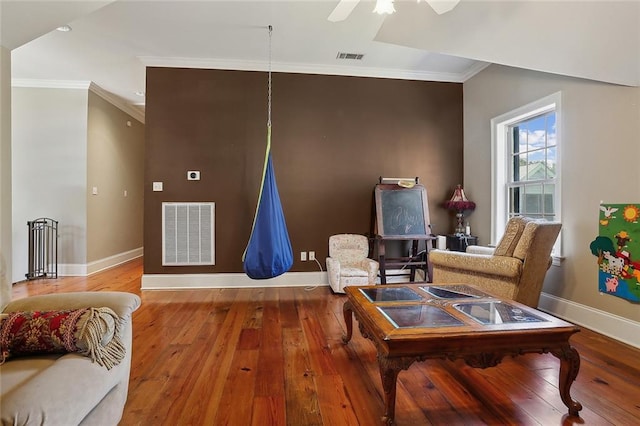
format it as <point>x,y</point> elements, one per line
<point>526,172</point>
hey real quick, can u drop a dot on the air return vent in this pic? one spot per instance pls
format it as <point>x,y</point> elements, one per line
<point>352,56</point>
<point>188,234</point>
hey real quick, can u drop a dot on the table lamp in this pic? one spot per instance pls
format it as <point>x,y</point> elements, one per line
<point>459,202</point>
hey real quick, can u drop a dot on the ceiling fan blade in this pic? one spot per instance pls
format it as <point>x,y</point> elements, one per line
<point>442,6</point>
<point>342,10</point>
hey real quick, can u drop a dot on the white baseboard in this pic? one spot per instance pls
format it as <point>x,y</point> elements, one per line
<point>398,276</point>
<point>83,270</point>
<point>230,280</point>
<point>614,326</point>
<point>111,261</point>
<point>72,270</point>
<point>240,280</point>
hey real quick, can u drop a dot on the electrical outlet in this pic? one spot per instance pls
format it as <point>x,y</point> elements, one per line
<point>312,255</point>
<point>303,256</point>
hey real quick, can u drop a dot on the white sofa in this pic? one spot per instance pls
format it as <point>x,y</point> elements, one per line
<point>66,389</point>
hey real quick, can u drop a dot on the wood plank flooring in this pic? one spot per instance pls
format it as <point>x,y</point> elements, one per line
<point>274,356</point>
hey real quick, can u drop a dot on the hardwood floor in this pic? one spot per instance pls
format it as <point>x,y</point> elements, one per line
<point>274,356</point>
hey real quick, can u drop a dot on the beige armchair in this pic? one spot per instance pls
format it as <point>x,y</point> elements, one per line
<point>348,264</point>
<point>515,269</point>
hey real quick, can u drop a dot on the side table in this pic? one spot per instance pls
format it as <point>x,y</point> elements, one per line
<point>460,242</point>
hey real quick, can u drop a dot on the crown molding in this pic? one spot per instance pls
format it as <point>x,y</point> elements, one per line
<point>117,102</point>
<point>352,71</point>
<point>474,69</point>
<point>50,84</point>
<point>83,85</point>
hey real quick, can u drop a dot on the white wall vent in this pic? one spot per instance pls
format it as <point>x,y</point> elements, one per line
<point>188,234</point>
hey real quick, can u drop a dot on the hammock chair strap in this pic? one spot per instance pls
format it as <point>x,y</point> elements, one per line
<point>267,154</point>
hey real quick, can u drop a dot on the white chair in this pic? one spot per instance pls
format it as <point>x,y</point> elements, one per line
<point>348,264</point>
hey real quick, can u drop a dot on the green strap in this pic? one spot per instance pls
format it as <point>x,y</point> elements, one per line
<point>264,175</point>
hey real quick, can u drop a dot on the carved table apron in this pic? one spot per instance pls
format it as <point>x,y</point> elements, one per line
<point>462,337</point>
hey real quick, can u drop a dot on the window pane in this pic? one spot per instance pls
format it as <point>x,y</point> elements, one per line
<point>535,133</point>
<point>549,194</point>
<point>519,167</point>
<point>533,200</point>
<point>537,166</point>
<point>514,201</point>
<point>537,156</point>
<point>515,137</point>
<point>551,129</point>
<point>551,162</point>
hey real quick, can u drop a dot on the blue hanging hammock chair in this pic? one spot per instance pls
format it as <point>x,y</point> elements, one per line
<point>268,253</point>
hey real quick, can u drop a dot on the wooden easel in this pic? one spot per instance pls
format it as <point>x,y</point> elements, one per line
<point>401,212</point>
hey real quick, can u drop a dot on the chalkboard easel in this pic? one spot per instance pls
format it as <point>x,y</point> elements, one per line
<point>402,213</point>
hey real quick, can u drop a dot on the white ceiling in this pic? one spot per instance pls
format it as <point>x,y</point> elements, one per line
<point>113,41</point>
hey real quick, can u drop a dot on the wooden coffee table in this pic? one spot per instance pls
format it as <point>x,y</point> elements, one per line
<point>415,322</point>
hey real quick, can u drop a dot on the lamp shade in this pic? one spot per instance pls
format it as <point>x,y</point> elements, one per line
<point>459,201</point>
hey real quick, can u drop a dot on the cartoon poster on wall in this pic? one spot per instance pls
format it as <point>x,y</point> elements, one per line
<point>617,248</point>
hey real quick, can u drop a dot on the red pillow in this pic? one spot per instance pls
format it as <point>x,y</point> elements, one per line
<point>94,332</point>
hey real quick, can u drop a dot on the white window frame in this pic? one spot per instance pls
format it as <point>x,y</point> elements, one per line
<point>500,164</point>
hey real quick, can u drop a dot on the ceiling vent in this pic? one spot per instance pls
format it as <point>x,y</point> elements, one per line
<point>353,56</point>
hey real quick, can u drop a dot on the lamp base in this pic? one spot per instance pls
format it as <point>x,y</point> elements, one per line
<point>460,218</point>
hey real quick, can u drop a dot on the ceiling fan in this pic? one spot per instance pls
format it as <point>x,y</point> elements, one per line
<point>345,7</point>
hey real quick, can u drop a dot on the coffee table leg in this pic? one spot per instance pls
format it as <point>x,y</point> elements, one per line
<point>569,367</point>
<point>389,369</point>
<point>347,312</point>
<point>389,375</point>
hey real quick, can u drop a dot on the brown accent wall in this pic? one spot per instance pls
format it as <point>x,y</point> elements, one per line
<point>332,138</point>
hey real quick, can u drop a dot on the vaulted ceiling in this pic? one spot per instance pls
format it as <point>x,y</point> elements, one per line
<point>112,42</point>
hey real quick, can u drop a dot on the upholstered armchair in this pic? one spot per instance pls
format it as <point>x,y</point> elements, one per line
<point>515,269</point>
<point>348,264</point>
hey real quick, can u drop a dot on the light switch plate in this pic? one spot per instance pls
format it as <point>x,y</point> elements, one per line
<point>157,186</point>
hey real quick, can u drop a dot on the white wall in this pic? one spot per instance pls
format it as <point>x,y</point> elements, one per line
<point>5,174</point>
<point>50,170</point>
<point>600,162</point>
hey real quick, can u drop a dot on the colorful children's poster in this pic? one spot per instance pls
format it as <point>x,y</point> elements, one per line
<point>617,248</point>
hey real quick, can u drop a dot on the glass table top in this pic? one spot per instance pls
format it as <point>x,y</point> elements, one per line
<point>431,306</point>
<point>390,294</point>
<point>496,313</point>
<point>453,291</point>
<point>407,316</point>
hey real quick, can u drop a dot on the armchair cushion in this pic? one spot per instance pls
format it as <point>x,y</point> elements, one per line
<point>480,249</point>
<point>507,267</point>
<point>509,241</point>
<point>353,272</point>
